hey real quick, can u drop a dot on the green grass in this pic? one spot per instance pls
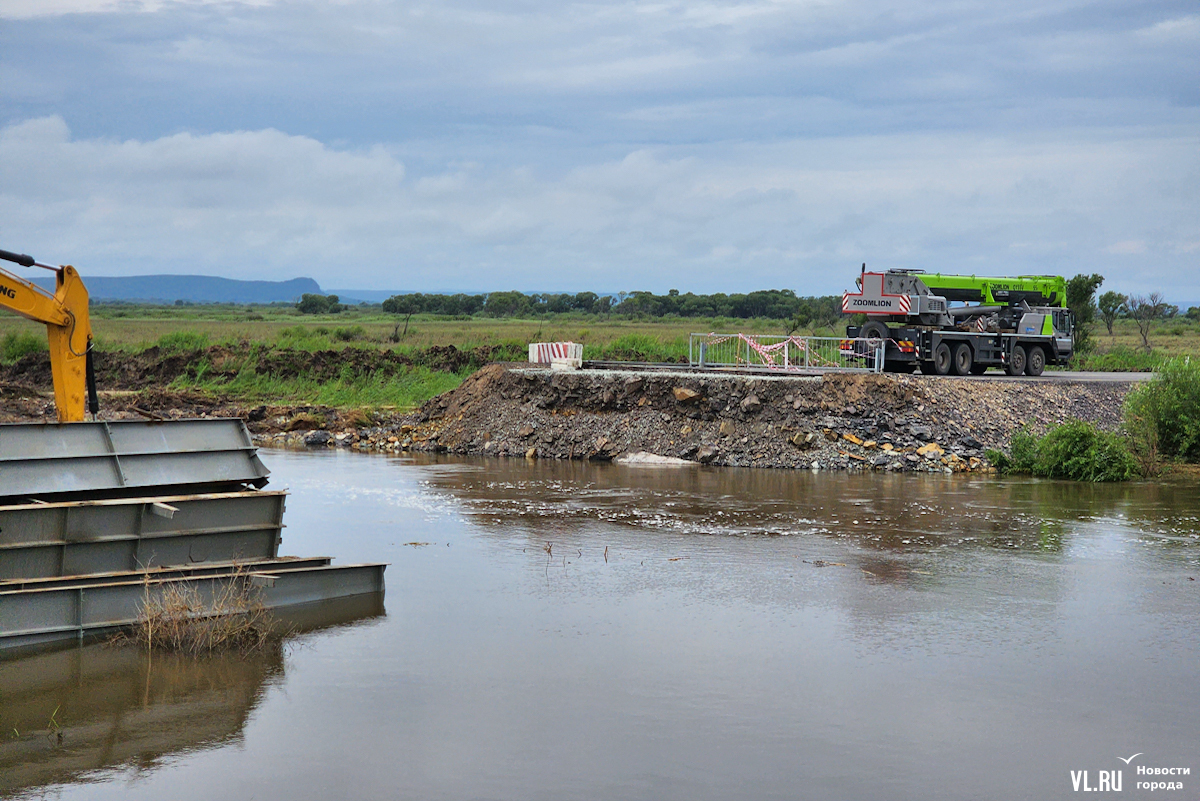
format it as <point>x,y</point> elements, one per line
<point>406,390</point>
<point>16,344</point>
<point>245,330</point>
<point>1121,359</point>
<point>182,341</point>
<point>639,348</point>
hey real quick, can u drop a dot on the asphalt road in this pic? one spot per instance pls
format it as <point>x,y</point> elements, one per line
<point>992,375</point>
<point>1066,375</point>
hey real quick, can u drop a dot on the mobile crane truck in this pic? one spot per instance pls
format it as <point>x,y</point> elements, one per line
<point>1016,324</point>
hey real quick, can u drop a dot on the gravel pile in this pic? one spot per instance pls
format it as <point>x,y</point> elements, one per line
<point>831,422</point>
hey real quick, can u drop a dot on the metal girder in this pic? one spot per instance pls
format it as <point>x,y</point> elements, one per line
<point>43,611</point>
<point>79,537</point>
<point>122,457</point>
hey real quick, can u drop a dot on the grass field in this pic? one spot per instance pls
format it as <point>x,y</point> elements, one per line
<point>138,327</point>
<point>131,329</point>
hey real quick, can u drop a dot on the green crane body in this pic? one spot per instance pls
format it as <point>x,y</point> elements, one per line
<point>1036,290</point>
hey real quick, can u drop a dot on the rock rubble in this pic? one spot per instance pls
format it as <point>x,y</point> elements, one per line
<point>831,422</point>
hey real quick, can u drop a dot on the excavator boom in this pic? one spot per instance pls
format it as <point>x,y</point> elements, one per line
<point>68,327</point>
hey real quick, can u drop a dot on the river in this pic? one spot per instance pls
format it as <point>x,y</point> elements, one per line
<point>557,630</point>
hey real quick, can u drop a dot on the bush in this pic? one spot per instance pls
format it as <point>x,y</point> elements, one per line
<point>1075,450</point>
<point>349,334</point>
<point>21,343</point>
<point>182,341</point>
<point>1163,415</point>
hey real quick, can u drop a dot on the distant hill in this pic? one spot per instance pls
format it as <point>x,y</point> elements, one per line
<point>193,289</point>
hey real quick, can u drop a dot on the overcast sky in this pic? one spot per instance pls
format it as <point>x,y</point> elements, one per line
<point>704,146</point>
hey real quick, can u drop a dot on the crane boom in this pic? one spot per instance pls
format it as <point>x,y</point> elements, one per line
<point>1036,290</point>
<point>68,327</point>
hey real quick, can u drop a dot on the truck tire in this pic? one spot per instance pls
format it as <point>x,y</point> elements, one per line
<point>978,369</point>
<point>1035,361</point>
<point>1016,361</point>
<point>875,329</point>
<point>963,359</point>
<point>928,368</point>
<point>942,359</point>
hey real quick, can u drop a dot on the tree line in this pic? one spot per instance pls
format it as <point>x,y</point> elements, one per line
<point>775,304</point>
<point>778,304</point>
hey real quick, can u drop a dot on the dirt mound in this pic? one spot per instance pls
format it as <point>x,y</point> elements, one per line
<point>116,370</point>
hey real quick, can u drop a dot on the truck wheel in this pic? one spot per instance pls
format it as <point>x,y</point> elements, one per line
<point>962,359</point>
<point>1035,363</point>
<point>1016,361</point>
<point>978,369</point>
<point>942,359</point>
<point>928,368</point>
<point>874,329</point>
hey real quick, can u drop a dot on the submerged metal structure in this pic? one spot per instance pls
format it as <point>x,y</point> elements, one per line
<point>97,519</point>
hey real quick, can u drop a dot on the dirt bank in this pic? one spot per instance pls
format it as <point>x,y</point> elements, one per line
<point>837,421</point>
<point>119,371</point>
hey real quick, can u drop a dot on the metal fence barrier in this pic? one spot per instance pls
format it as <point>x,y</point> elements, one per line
<point>775,352</point>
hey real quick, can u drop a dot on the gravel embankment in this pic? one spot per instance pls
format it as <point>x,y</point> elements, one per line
<point>836,421</point>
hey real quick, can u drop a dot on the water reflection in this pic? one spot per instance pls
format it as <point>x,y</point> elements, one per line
<point>71,715</point>
<point>897,513</point>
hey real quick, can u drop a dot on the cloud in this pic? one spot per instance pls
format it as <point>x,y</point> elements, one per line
<point>797,214</point>
<point>601,145</point>
<point>27,9</point>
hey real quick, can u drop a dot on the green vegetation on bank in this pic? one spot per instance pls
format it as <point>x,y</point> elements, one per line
<point>1161,423</point>
<point>1162,416</point>
<point>1075,450</point>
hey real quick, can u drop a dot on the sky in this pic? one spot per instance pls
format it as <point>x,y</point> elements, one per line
<point>706,146</point>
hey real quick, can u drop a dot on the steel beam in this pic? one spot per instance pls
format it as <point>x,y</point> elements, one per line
<point>43,611</point>
<point>48,461</point>
<point>77,537</point>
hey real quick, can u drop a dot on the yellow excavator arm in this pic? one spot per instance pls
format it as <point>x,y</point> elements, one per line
<point>65,314</point>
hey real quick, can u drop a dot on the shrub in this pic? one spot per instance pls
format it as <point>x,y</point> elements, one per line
<point>1163,415</point>
<point>177,617</point>
<point>182,341</point>
<point>20,343</point>
<point>349,334</point>
<point>1075,450</point>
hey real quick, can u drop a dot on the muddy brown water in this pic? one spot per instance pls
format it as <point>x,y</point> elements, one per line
<point>573,631</point>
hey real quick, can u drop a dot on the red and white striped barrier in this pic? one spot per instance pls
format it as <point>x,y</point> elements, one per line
<point>546,352</point>
<point>771,354</point>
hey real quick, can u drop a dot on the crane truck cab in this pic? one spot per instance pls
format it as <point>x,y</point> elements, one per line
<point>960,324</point>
